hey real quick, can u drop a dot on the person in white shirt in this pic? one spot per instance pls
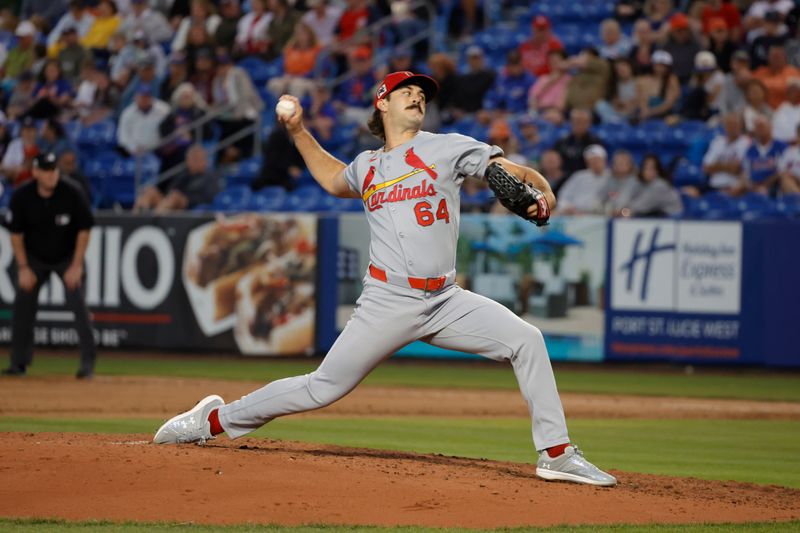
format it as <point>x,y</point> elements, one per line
<point>614,43</point>
<point>724,157</point>
<point>202,12</point>
<point>787,116</point>
<point>322,18</point>
<point>789,167</point>
<point>583,191</point>
<point>138,126</point>
<point>77,17</point>
<point>251,32</point>
<point>143,18</point>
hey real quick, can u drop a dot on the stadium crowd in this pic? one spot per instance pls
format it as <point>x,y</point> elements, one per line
<point>145,73</point>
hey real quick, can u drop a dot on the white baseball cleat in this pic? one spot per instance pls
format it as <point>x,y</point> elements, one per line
<point>191,426</point>
<point>571,466</point>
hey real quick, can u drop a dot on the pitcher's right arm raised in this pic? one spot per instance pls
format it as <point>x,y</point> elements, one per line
<point>326,169</point>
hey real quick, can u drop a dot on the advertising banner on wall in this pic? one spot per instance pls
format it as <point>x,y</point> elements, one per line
<point>245,283</point>
<point>675,290</point>
<point>552,277</point>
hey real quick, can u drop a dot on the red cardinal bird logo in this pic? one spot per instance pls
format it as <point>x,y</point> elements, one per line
<point>368,180</point>
<point>414,161</point>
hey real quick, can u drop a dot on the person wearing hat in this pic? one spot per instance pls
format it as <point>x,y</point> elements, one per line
<point>471,87</point>
<point>138,130</point>
<point>720,43</point>
<point>410,188</point>
<point>730,15</point>
<point>72,55</point>
<point>582,193</point>
<point>535,50</point>
<point>21,57</point>
<point>787,116</point>
<point>49,221</point>
<point>705,89</point>
<point>660,92</point>
<point>142,17</point>
<point>682,46</point>
<point>18,159</point>
<point>772,32</point>
<point>145,76</point>
<point>352,97</point>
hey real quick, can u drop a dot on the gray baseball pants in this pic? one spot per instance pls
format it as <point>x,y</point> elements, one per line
<point>387,318</point>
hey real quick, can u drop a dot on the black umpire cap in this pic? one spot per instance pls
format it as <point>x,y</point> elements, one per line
<point>45,161</point>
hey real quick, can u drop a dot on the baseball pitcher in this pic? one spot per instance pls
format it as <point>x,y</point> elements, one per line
<point>410,190</point>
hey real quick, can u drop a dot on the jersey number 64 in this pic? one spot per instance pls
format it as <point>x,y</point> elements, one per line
<point>424,215</point>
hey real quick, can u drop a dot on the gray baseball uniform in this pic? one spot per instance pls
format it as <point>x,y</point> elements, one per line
<point>411,198</point>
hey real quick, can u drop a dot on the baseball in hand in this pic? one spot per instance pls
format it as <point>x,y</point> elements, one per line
<point>285,109</point>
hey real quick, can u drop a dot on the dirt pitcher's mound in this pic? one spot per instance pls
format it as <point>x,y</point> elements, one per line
<point>124,477</point>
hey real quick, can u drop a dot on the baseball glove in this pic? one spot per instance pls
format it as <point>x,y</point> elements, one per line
<point>516,195</point>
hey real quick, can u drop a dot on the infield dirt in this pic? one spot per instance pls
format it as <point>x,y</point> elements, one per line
<point>124,477</point>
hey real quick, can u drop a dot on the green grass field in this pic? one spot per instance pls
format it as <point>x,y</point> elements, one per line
<point>755,451</point>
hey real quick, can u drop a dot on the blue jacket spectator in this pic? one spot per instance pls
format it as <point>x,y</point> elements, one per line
<point>510,89</point>
<point>357,91</point>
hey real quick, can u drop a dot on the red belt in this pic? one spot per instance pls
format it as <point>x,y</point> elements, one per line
<point>423,284</point>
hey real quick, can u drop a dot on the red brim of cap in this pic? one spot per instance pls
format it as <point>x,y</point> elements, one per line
<point>428,85</point>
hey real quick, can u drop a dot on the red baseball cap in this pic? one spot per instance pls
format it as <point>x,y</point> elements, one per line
<point>540,22</point>
<point>679,21</point>
<point>404,77</point>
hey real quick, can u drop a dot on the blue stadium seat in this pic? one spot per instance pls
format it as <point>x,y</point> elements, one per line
<point>259,70</point>
<point>754,206</point>
<point>687,174</point>
<point>243,172</point>
<point>232,199</point>
<point>268,199</point>
<point>305,199</point>
<point>99,135</point>
<point>717,206</point>
<point>788,205</point>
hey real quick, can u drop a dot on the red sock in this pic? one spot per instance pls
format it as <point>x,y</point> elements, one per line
<point>555,451</point>
<point>213,419</point>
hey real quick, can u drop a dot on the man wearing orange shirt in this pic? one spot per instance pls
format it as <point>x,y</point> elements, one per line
<point>775,75</point>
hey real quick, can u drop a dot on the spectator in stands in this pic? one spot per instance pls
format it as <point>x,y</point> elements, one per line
<point>97,97</point>
<point>724,159</point>
<point>660,92</point>
<point>137,49</point>
<point>353,18</point>
<point>774,33</point>
<point>644,43</point>
<point>761,159</point>
<point>720,43</point>
<point>52,94</point>
<point>535,50</point>
<point>232,85</point>
<point>623,99</point>
<point>702,100</point>
<point>72,56</point>
<point>202,13</point>
<point>299,59</point>
<point>581,194</point>
<point>18,159</point>
<point>71,172</point>
<point>281,27</point>
<point>548,95</point>
<point>510,90</point>
<point>353,98</point>
<point>251,32</point>
<point>149,20</point>
<point>728,12</point>
<point>225,35</point>
<point>614,43</point>
<point>787,116</point>
<point>682,46</point>
<point>572,146</point>
<point>53,138</point>
<point>466,18</point>
<point>658,13</point>
<point>473,85</point>
<point>48,11</point>
<point>443,69</point>
<point>145,77</point>
<point>198,184</point>
<point>204,72</point>
<point>322,18</point>
<point>529,138</point>
<point>590,82</point>
<point>197,42</point>
<point>106,23</point>
<point>551,166</point>
<point>757,13</point>
<point>187,107</point>
<point>656,196</point>
<point>138,132</point>
<point>21,57</point>
<point>21,98</point>
<point>500,134</point>
<point>77,17</point>
<point>177,73</point>
<point>629,11</point>
<point>775,75</point>
<point>733,89</point>
<point>755,104</point>
<point>789,168</point>
<point>622,185</point>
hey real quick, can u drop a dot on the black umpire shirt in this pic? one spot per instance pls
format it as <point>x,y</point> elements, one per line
<point>49,226</point>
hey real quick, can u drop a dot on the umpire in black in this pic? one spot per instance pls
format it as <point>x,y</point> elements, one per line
<point>50,221</point>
